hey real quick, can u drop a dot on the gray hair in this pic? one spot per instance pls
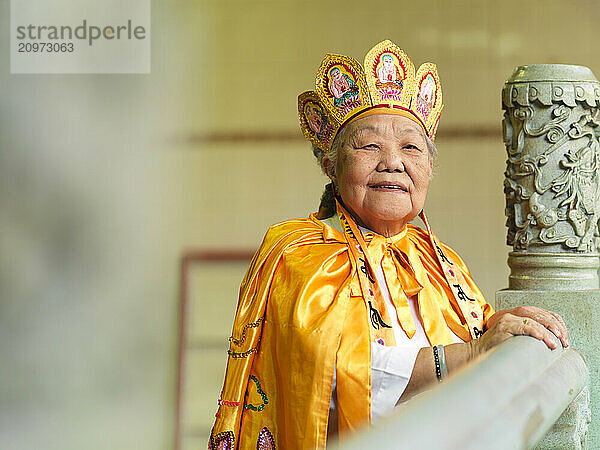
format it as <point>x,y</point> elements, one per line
<point>327,206</point>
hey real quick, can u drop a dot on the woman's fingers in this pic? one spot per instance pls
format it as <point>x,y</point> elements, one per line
<point>535,329</point>
<point>563,326</point>
<point>548,319</point>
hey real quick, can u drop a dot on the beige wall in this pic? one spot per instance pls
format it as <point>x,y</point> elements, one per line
<point>108,179</point>
<point>253,58</point>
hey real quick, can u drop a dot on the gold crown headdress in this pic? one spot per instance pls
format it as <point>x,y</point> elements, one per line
<point>388,84</point>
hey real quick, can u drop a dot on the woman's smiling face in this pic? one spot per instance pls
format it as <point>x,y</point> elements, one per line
<point>382,171</point>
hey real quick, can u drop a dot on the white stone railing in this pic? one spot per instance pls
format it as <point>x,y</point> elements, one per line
<point>517,396</point>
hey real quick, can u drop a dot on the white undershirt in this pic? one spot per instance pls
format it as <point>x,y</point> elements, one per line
<point>392,366</point>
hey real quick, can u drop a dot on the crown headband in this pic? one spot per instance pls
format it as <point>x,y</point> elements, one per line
<point>344,92</point>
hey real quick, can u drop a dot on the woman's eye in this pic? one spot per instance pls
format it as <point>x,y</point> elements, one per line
<point>370,147</point>
<point>412,147</point>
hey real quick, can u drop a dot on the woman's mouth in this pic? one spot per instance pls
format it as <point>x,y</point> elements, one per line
<point>388,186</point>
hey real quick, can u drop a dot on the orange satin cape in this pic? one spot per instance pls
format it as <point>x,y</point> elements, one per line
<point>301,316</point>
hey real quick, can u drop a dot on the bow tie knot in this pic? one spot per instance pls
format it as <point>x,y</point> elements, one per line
<point>393,255</point>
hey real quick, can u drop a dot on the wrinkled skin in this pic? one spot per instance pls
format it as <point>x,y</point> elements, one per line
<point>382,172</point>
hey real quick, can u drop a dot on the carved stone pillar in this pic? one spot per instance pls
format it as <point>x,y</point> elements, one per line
<point>552,184</point>
<point>552,187</point>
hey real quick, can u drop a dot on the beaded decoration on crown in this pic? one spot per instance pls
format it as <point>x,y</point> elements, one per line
<point>343,90</point>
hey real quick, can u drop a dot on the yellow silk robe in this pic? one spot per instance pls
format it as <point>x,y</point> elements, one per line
<point>300,317</point>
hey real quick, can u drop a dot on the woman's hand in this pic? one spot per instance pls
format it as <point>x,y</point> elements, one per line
<point>528,320</point>
<point>524,320</point>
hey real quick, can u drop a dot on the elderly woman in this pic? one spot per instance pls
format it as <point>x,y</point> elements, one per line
<point>347,313</point>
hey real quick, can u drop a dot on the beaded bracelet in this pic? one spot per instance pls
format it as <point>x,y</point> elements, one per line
<point>436,360</point>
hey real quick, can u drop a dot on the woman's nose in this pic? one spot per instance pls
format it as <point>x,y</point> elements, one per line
<point>390,161</point>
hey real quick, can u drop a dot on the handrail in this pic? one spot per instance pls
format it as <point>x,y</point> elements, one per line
<point>507,399</point>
